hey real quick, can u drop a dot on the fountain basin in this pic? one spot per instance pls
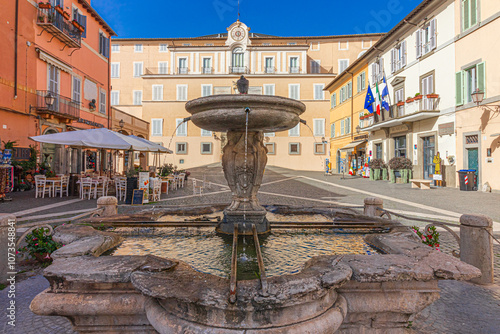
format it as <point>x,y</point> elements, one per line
<point>223,113</point>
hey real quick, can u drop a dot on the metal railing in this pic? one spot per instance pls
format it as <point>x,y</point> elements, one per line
<point>207,70</point>
<point>49,16</point>
<point>238,70</point>
<point>294,69</point>
<point>61,105</point>
<point>182,70</point>
<point>270,70</point>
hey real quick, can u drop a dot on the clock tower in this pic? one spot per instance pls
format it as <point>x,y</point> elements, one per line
<point>238,33</point>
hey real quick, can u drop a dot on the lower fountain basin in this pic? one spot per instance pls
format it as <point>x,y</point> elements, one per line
<point>227,112</point>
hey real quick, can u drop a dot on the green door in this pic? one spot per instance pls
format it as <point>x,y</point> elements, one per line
<point>473,159</point>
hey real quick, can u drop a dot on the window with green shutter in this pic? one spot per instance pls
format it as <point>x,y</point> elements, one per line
<point>468,81</point>
<point>469,14</point>
<point>459,93</point>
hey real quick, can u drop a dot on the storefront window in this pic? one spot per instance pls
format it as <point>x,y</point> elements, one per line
<point>400,146</point>
<point>378,151</point>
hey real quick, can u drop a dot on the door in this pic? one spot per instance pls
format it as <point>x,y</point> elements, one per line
<point>473,160</point>
<point>207,65</point>
<point>429,151</point>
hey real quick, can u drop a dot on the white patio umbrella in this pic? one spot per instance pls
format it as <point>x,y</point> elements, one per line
<point>154,146</point>
<point>96,138</point>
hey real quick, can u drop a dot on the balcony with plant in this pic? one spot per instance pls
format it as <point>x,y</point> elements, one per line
<point>56,22</point>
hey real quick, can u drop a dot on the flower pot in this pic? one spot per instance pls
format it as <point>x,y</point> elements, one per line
<point>432,96</point>
<point>384,173</point>
<point>410,100</point>
<point>66,15</point>
<point>44,5</point>
<point>376,174</point>
<point>81,28</point>
<point>400,104</point>
<point>75,24</point>
<point>43,257</point>
<point>59,10</point>
<point>418,97</point>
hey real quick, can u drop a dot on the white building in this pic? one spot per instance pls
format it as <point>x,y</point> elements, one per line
<point>418,59</point>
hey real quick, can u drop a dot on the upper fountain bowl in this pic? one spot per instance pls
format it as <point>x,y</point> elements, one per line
<point>227,112</point>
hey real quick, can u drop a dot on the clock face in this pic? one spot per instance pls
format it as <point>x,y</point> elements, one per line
<point>238,33</point>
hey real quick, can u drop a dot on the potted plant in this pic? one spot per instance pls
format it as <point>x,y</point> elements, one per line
<point>165,171</point>
<point>41,19</point>
<point>66,15</point>
<point>42,5</point>
<point>429,237</point>
<point>418,96</point>
<point>432,96</point>
<point>400,104</point>
<point>376,166</point>
<point>409,99</point>
<point>81,28</point>
<point>75,24</point>
<point>400,168</point>
<point>39,245</point>
<point>59,9</point>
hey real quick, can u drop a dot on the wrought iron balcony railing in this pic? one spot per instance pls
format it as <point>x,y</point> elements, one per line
<point>238,70</point>
<point>56,24</point>
<point>294,69</point>
<point>270,70</point>
<point>54,104</point>
<point>182,70</point>
<point>207,70</point>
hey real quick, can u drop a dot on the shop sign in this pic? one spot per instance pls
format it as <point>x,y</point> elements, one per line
<point>21,153</point>
<point>361,137</point>
<point>446,129</point>
<point>91,123</point>
<point>399,128</point>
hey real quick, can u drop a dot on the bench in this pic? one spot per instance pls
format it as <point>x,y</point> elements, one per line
<point>421,184</point>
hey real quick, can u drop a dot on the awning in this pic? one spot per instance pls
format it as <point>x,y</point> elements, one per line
<point>154,147</point>
<point>351,146</point>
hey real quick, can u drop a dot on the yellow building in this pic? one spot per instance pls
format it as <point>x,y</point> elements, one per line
<point>154,78</point>
<point>347,115</point>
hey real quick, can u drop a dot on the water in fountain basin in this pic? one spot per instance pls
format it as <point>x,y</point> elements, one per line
<point>283,251</point>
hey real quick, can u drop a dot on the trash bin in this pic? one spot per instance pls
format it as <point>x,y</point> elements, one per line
<point>467,179</point>
<point>73,187</point>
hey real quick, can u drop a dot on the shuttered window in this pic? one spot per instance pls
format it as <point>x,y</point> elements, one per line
<point>294,91</point>
<point>342,131</point>
<point>269,89</point>
<point>319,127</point>
<point>163,48</point>
<point>319,94</point>
<point>77,89</point>
<point>377,70</point>
<point>102,102</point>
<point>427,87</point>
<point>332,130</point>
<point>398,57</point>
<point>137,68</point>
<point>137,97</point>
<point>468,81</point>
<point>343,64</point>
<point>115,97</point>
<point>162,67</point>
<point>138,48</point>
<point>206,90</point>
<point>156,127</point>
<point>182,91</point>
<point>206,133</point>
<point>315,66</point>
<point>294,132</point>
<point>157,92</point>
<point>426,38</point>
<point>181,127</point>
<point>348,125</point>
<point>469,14</point>
<point>115,48</point>
<point>115,70</point>
<point>103,45</point>
<point>333,100</point>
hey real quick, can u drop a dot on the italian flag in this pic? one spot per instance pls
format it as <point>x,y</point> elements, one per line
<point>378,100</point>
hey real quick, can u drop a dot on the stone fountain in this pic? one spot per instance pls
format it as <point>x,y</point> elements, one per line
<point>245,118</point>
<point>331,294</point>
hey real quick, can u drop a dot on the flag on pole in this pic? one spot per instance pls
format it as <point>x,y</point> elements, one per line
<point>377,98</point>
<point>369,99</point>
<point>385,95</point>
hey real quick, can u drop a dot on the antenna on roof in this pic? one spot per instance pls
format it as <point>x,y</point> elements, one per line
<point>238,10</point>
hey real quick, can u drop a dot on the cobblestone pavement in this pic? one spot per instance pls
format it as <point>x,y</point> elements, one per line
<point>462,308</point>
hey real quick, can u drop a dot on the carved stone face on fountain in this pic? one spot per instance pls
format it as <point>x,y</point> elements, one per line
<point>245,118</point>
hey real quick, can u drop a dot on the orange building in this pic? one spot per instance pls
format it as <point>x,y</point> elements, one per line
<point>54,74</point>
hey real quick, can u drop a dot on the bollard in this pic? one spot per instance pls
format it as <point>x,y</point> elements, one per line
<point>476,245</point>
<point>110,205</point>
<point>371,206</point>
<point>7,256</point>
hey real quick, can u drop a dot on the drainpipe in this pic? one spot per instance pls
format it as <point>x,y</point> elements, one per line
<point>108,96</point>
<point>15,48</point>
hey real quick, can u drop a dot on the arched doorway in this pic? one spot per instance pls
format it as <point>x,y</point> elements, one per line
<point>50,154</point>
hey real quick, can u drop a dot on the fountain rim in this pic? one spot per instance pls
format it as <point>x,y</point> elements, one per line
<point>230,101</point>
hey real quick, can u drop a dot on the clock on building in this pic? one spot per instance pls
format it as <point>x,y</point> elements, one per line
<point>238,33</point>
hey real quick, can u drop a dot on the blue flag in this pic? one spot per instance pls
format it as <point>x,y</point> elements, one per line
<point>385,96</point>
<point>369,99</point>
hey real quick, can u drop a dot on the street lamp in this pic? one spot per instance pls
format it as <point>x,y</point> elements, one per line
<point>121,123</point>
<point>477,97</point>
<point>49,99</point>
<point>358,129</point>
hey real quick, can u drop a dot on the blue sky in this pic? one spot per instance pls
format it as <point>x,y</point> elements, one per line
<point>174,18</point>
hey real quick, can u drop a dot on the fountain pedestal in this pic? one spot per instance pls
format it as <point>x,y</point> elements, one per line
<point>244,159</point>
